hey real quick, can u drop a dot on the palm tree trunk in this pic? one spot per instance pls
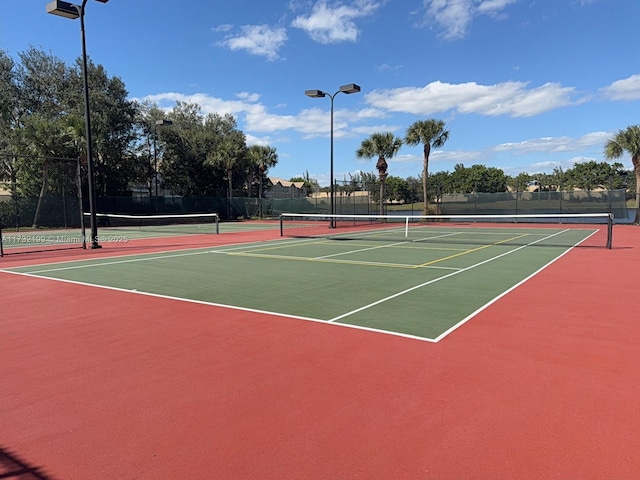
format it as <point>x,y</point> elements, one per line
<point>425,175</point>
<point>382,166</point>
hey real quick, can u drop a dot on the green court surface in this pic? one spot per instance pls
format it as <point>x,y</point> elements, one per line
<point>411,288</point>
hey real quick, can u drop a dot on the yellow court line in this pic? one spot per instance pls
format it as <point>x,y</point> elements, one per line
<point>322,260</point>
<point>357,262</point>
<point>471,251</point>
<point>275,247</point>
<point>328,242</point>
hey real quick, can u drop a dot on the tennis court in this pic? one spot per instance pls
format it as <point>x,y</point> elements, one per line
<point>369,276</point>
<point>469,350</point>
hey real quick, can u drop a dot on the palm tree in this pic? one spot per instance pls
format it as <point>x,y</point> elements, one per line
<point>382,145</point>
<point>432,134</point>
<point>261,158</point>
<point>627,141</point>
<point>231,153</point>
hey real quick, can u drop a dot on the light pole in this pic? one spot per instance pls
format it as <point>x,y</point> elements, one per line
<point>72,11</point>
<point>159,123</point>
<point>350,88</point>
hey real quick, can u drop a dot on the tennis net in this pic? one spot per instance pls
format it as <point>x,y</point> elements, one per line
<point>35,240</point>
<point>156,225</point>
<point>564,230</point>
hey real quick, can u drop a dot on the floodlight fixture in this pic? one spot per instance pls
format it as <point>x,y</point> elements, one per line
<point>315,93</point>
<point>347,89</point>
<point>350,88</point>
<point>63,9</point>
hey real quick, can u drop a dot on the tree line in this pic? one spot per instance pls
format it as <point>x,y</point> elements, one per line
<point>42,119</point>
<point>432,133</point>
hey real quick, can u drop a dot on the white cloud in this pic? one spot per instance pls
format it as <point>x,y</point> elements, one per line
<point>208,103</point>
<point>554,144</point>
<point>454,17</point>
<point>226,27</point>
<point>335,23</point>
<point>455,156</point>
<point>249,97</point>
<point>255,118</point>
<point>493,7</point>
<point>625,89</point>
<point>261,40</point>
<point>388,68</point>
<point>253,140</point>
<point>508,98</point>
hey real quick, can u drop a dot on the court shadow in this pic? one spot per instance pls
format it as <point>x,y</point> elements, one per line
<point>12,466</point>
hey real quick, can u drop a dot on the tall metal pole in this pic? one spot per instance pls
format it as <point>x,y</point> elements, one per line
<point>87,119</point>
<point>332,187</point>
<point>155,157</point>
<point>347,89</point>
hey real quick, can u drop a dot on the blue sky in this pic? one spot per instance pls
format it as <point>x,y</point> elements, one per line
<point>523,85</point>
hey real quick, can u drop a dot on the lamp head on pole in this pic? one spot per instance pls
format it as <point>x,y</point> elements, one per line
<point>66,9</point>
<point>315,93</point>
<point>63,9</point>
<point>350,88</point>
<point>163,122</point>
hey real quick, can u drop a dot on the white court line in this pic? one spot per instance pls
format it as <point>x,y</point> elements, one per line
<point>416,287</point>
<point>361,250</point>
<point>221,305</point>
<point>491,302</point>
<point>139,257</point>
<point>333,321</point>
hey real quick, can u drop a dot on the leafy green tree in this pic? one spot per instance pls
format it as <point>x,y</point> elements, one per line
<point>628,141</point>
<point>398,189</point>
<point>431,134</point>
<point>594,175</point>
<point>383,146</point>
<point>46,119</point>
<point>415,188</point>
<point>46,85</point>
<point>439,183</point>
<point>146,131</point>
<point>559,178</point>
<point>478,179</point>
<point>203,154</point>
<point>519,182</point>
<point>189,168</point>
<point>9,143</point>
<point>113,118</point>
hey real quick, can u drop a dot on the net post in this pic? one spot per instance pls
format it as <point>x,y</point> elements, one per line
<point>406,227</point>
<point>217,220</point>
<point>281,227</point>
<point>1,242</point>
<point>610,230</point>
